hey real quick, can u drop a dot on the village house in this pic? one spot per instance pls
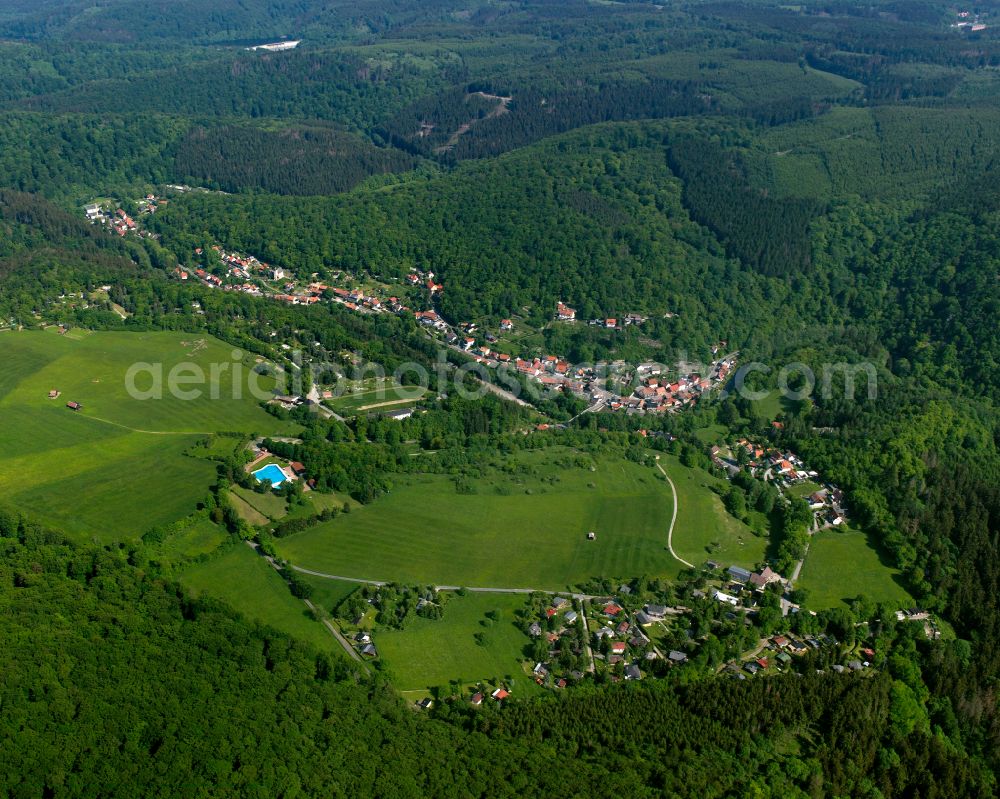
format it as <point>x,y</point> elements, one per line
<point>761,580</point>
<point>564,313</point>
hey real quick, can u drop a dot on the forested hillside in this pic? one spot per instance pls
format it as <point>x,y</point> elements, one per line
<point>808,184</point>
<point>148,679</point>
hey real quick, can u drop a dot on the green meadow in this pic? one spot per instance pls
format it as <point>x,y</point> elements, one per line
<point>243,579</point>
<point>118,466</point>
<point>705,529</point>
<point>841,564</point>
<point>511,531</point>
<point>431,653</point>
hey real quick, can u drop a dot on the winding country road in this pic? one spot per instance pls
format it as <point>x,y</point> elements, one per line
<point>673,519</point>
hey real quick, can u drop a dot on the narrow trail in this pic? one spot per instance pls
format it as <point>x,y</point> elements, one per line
<point>148,432</point>
<point>673,520</point>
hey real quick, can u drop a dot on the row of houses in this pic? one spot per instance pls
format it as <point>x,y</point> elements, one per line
<point>564,313</point>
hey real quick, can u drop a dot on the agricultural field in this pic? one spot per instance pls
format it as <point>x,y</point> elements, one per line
<point>430,653</point>
<point>117,466</point>
<point>841,564</point>
<point>244,580</point>
<point>705,529</point>
<point>518,531</point>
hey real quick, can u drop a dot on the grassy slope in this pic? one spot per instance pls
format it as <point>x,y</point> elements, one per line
<point>702,519</point>
<point>424,531</point>
<point>842,564</point>
<point>430,653</point>
<point>245,581</point>
<point>87,472</point>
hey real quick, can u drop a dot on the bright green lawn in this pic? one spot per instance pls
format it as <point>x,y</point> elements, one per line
<point>712,434</point>
<point>702,520</point>
<point>804,489</point>
<point>94,473</point>
<point>424,531</point>
<point>244,580</point>
<point>431,653</point>
<point>773,404</point>
<point>842,564</point>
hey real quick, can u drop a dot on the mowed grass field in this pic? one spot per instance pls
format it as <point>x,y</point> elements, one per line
<point>425,531</point>
<point>841,564</point>
<point>702,520</point>
<point>431,653</point>
<point>244,580</point>
<point>117,467</point>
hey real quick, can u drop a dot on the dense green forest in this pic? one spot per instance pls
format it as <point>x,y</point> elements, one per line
<point>148,679</point>
<point>811,183</point>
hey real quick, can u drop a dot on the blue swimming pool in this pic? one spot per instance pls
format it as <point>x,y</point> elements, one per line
<point>272,474</point>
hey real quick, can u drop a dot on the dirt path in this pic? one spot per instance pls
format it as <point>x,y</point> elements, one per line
<point>148,432</point>
<point>487,590</point>
<point>673,520</point>
<point>386,404</point>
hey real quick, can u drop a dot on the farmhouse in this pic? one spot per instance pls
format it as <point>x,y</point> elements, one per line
<point>74,406</point>
<point>54,393</point>
<point>764,578</point>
